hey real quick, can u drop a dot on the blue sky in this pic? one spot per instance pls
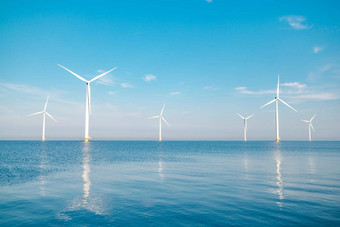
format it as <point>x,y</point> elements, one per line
<point>206,60</point>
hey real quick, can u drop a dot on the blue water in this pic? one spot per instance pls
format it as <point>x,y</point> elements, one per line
<point>169,183</point>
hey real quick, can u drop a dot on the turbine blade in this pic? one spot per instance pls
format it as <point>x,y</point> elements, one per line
<point>46,103</point>
<point>312,127</point>
<point>103,74</point>
<point>165,121</point>
<point>268,103</point>
<point>250,116</point>
<point>278,85</point>
<point>79,77</point>
<point>240,116</point>
<point>287,105</point>
<point>162,109</point>
<point>305,121</point>
<point>153,117</point>
<point>312,118</point>
<point>51,116</point>
<point>34,113</point>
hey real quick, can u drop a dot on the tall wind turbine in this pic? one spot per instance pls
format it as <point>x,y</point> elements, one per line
<point>160,116</point>
<point>245,125</point>
<point>310,126</point>
<point>44,112</point>
<point>88,98</point>
<point>276,100</point>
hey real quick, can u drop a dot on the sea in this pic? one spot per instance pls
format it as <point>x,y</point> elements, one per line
<point>169,183</point>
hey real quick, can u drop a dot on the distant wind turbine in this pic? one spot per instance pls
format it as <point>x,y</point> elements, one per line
<point>160,116</point>
<point>245,125</point>
<point>88,98</point>
<point>276,100</point>
<point>310,126</point>
<point>44,112</point>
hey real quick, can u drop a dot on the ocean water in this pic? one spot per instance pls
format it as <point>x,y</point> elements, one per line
<point>131,183</point>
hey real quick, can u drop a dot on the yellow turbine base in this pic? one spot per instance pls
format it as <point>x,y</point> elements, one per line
<point>277,139</point>
<point>87,139</point>
<point>159,140</point>
<point>43,139</point>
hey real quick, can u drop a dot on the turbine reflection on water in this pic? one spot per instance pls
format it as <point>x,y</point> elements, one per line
<point>160,162</point>
<point>42,167</point>
<point>86,172</point>
<point>279,181</point>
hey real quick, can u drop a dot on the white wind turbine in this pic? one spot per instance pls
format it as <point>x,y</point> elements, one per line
<point>44,112</point>
<point>276,100</point>
<point>160,116</point>
<point>310,126</point>
<point>88,98</point>
<point>245,125</point>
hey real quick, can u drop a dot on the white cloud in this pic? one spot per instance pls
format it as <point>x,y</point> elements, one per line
<point>176,93</point>
<point>210,88</point>
<point>294,85</point>
<point>294,90</point>
<point>319,72</point>
<point>318,96</point>
<point>111,92</point>
<point>35,91</point>
<point>126,85</point>
<point>317,49</point>
<point>295,22</point>
<point>105,80</point>
<point>149,77</point>
<point>244,90</point>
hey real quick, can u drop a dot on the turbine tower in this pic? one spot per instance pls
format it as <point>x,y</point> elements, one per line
<point>88,98</point>
<point>310,126</point>
<point>245,125</point>
<point>44,112</point>
<point>276,100</point>
<point>160,116</point>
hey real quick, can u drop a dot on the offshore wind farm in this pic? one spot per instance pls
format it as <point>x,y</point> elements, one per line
<point>186,120</point>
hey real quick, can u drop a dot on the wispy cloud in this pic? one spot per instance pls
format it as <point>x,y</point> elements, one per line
<point>212,87</point>
<point>317,49</point>
<point>244,90</point>
<point>105,80</point>
<point>295,22</point>
<point>318,97</point>
<point>294,85</point>
<point>24,88</point>
<point>126,85</point>
<point>35,91</point>
<point>319,72</point>
<point>111,92</point>
<point>149,77</point>
<point>176,93</point>
<point>294,90</point>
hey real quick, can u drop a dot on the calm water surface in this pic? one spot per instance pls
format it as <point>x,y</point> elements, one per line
<point>169,183</point>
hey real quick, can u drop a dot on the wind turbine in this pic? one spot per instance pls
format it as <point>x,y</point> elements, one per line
<point>276,100</point>
<point>160,116</point>
<point>245,125</point>
<point>44,112</point>
<point>310,126</point>
<point>88,98</point>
